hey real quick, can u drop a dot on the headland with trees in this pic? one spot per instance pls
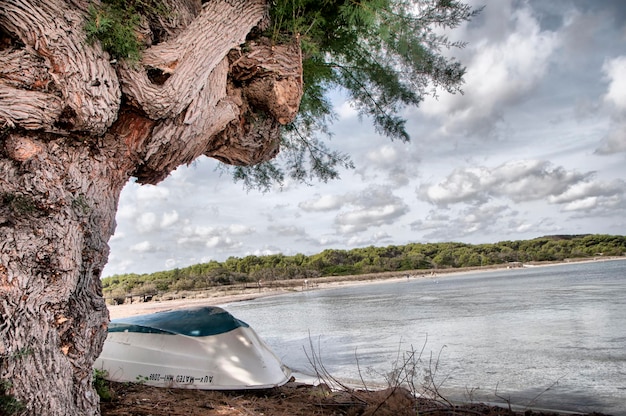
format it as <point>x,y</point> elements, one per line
<point>394,259</point>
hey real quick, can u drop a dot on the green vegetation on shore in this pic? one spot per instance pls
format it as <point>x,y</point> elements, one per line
<point>415,256</point>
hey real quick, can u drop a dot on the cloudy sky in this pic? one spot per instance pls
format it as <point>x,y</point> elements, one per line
<point>536,146</point>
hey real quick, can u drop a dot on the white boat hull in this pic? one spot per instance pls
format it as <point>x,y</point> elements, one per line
<point>233,360</point>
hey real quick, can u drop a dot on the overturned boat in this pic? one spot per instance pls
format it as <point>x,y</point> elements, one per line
<point>202,348</point>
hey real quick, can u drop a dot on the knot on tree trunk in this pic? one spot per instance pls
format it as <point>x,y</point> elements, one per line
<point>254,140</point>
<point>21,148</point>
<point>265,83</point>
<point>270,76</point>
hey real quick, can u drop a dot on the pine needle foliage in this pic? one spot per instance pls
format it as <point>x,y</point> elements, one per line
<point>386,54</point>
<point>115,24</point>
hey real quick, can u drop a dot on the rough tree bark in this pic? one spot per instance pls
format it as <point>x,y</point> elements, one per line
<point>75,126</point>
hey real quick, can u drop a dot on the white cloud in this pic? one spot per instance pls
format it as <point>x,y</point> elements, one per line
<point>199,238</point>
<point>384,156</point>
<point>615,70</point>
<point>522,226</point>
<point>583,204</point>
<point>614,141</point>
<point>169,218</point>
<point>615,97</point>
<point>200,231</point>
<point>393,159</point>
<point>143,247</point>
<point>150,193</point>
<point>523,180</point>
<point>469,221</point>
<point>195,236</point>
<point>378,238</point>
<point>127,211</point>
<point>264,252</point>
<point>118,236</point>
<point>120,265</point>
<point>462,185</point>
<point>287,230</point>
<point>240,229</point>
<point>362,218</point>
<point>610,206</point>
<point>372,207</point>
<point>222,242</point>
<point>501,70</point>
<point>590,189</point>
<point>346,110</point>
<point>147,222</point>
<point>322,203</point>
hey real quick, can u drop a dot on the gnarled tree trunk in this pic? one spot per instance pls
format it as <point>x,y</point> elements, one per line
<point>75,126</point>
<point>58,211</point>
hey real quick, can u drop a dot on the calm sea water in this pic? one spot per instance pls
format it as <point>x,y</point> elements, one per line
<point>542,336</point>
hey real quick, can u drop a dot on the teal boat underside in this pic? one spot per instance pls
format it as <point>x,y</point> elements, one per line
<point>197,322</point>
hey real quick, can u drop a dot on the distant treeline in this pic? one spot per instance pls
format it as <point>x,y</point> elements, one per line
<point>366,260</point>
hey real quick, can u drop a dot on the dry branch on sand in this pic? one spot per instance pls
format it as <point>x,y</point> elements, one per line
<point>292,399</point>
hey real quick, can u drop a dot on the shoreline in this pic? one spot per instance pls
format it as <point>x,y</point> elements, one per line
<point>225,295</point>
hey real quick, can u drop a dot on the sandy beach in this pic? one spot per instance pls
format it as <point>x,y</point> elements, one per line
<point>140,308</point>
<point>237,293</point>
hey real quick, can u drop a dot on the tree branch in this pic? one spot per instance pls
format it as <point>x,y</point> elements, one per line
<point>31,110</point>
<point>182,139</point>
<point>188,59</point>
<point>87,83</point>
